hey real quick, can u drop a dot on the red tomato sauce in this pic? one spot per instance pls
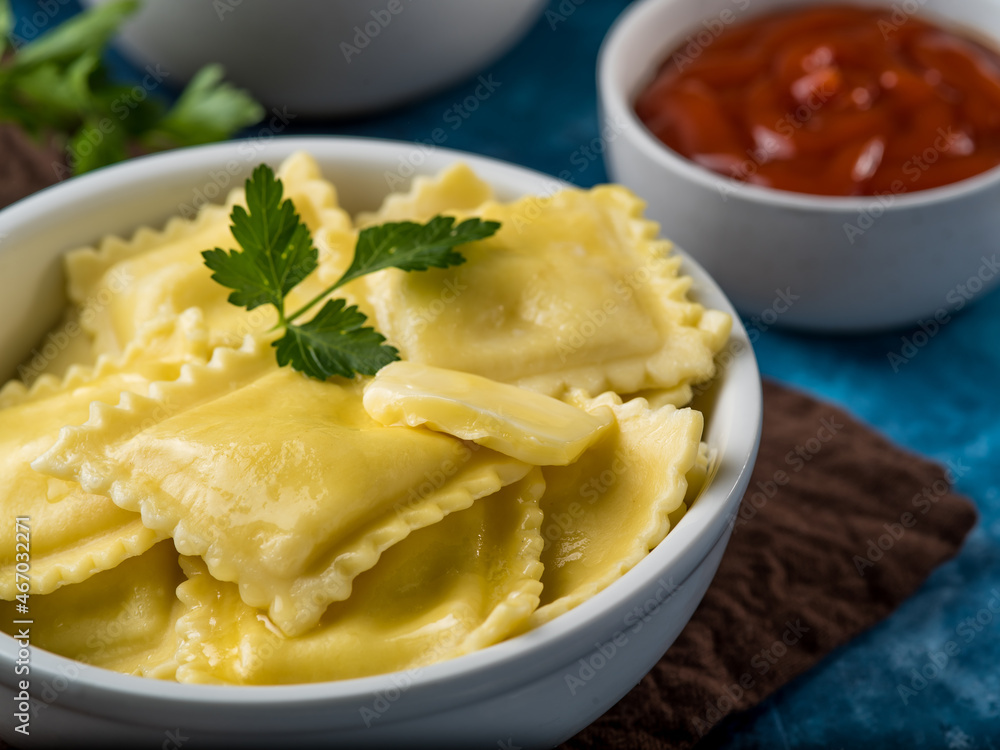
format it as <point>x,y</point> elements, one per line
<point>831,100</point>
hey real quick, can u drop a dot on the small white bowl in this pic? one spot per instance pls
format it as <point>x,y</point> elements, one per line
<point>518,691</point>
<point>803,261</point>
<point>323,58</point>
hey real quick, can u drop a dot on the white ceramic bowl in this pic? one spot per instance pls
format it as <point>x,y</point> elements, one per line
<point>845,264</point>
<point>516,691</point>
<point>323,58</point>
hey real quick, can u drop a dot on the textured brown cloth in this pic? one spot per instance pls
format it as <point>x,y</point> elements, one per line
<point>839,526</point>
<point>26,166</point>
<point>790,584</point>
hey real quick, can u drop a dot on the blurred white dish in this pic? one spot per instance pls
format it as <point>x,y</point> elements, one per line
<point>322,58</point>
<point>518,691</point>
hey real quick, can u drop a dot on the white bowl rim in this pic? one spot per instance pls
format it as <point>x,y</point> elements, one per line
<point>640,14</point>
<point>709,517</point>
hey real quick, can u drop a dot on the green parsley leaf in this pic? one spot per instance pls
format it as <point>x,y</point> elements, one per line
<point>278,251</point>
<point>414,247</point>
<point>89,153</point>
<point>6,24</point>
<point>209,110</point>
<point>64,92</point>
<point>58,85</point>
<point>83,33</point>
<point>335,342</point>
<point>410,247</point>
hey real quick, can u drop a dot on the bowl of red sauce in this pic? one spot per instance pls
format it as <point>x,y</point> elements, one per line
<point>836,167</point>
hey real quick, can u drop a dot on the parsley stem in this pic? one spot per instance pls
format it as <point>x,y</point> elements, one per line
<point>315,301</point>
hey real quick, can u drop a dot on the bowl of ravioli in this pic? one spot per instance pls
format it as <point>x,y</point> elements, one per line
<point>490,540</point>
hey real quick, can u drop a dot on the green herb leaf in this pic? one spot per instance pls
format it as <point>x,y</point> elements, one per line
<point>208,110</point>
<point>6,24</point>
<point>58,85</point>
<point>83,33</point>
<point>415,247</point>
<point>335,342</point>
<point>408,246</point>
<point>91,147</point>
<point>63,93</point>
<point>278,251</point>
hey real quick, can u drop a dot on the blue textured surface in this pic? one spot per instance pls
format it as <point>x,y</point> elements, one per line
<point>944,403</point>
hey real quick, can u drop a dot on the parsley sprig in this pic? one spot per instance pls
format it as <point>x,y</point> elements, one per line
<point>58,85</point>
<point>278,254</point>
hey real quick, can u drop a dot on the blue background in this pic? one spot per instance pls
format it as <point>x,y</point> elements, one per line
<point>944,404</point>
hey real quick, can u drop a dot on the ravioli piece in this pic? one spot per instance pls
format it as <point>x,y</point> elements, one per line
<point>159,274</point>
<point>455,189</point>
<point>64,346</point>
<point>573,291</point>
<point>173,342</point>
<point>531,427</point>
<point>675,516</point>
<point>282,484</point>
<point>122,619</point>
<point>678,396</point>
<point>701,474</point>
<point>74,534</point>
<point>459,585</point>
<point>605,512</point>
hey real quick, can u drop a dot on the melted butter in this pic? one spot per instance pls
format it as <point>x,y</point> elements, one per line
<point>75,534</point>
<point>529,426</point>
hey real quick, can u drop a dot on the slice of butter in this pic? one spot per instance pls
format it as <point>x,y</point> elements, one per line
<point>533,428</point>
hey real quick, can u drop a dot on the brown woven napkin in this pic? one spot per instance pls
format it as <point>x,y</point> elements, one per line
<point>839,526</point>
